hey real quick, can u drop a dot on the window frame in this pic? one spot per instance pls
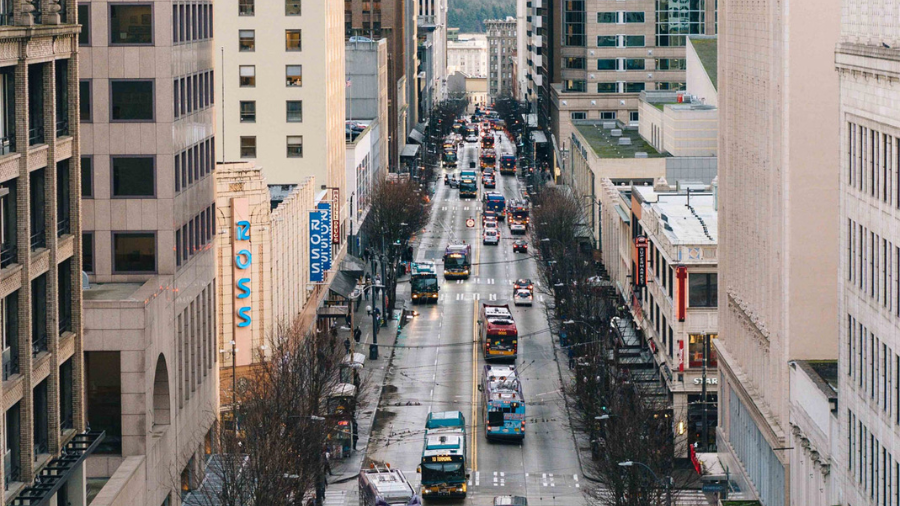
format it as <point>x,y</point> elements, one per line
<point>152,119</point>
<point>109,10</point>
<point>615,17</point>
<point>626,13</point>
<point>240,77</point>
<point>288,113</point>
<point>287,79</point>
<point>241,104</point>
<point>287,146</point>
<point>112,180</point>
<point>241,40</point>
<point>626,37</point>
<point>299,48</point>
<point>615,64</point>
<point>86,27</point>
<point>252,11</point>
<point>83,172</point>
<point>711,303</point>
<point>241,147</point>
<point>299,5</point>
<point>90,100</point>
<point>112,245</point>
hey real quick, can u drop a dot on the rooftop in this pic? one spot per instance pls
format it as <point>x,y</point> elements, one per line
<point>697,224</point>
<point>707,51</point>
<point>824,373</point>
<point>112,291</point>
<point>605,145</point>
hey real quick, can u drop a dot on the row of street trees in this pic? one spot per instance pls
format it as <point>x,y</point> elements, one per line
<point>630,428</point>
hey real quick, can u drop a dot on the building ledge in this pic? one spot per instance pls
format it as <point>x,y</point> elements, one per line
<point>867,59</point>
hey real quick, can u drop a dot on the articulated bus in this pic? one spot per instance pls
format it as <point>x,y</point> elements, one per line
<point>443,466</point>
<point>503,403</point>
<point>424,282</point>
<point>497,332</point>
<point>457,261</point>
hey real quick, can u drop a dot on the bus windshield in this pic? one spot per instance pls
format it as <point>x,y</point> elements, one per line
<point>423,284</point>
<point>455,261</point>
<point>433,472</point>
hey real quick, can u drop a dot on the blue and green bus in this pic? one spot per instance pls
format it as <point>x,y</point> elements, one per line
<point>443,466</point>
<point>503,403</point>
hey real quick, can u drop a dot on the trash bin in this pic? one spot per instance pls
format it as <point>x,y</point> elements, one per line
<point>373,352</point>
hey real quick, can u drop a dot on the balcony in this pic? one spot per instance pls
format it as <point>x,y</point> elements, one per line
<point>7,145</point>
<point>38,344</point>
<point>36,135</point>
<point>8,255</point>
<point>38,240</point>
<point>62,126</point>
<point>10,362</point>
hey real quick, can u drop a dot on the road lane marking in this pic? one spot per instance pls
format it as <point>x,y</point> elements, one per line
<point>473,422</point>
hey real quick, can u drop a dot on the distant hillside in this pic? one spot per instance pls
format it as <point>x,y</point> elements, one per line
<point>469,14</point>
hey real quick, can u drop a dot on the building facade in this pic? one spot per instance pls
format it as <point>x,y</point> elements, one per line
<point>868,63</point>
<point>468,55</point>
<point>41,255</point>
<point>148,150</point>
<point>778,177</point>
<point>502,46</point>
<point>432,35</point>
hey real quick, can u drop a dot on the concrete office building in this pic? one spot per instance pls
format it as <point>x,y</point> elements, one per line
<point>148,212</point>
<point>502,47</point>
<point>468,55</point>
<point>387,19</point>
<point>431,19</point>
<point>40,257</point>
<point>868,62</point>
<point>611,51</point>
<point>284,72</point>
<point>521,48</point>
<point>778,226</point>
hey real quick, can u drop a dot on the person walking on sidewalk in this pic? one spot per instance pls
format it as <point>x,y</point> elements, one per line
<point>357,334</point>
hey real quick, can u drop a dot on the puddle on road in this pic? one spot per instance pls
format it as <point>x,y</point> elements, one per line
<point>382,419</point>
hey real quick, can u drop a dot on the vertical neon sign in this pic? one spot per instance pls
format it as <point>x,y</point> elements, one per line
<point>242,261</point>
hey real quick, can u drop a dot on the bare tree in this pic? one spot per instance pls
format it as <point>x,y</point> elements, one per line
<point>399,210</point>
<point>271,450</point>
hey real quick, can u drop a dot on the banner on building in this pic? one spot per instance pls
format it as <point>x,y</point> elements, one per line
<point>336,215</point>
<point>242,260</point>
<point>326,207</point>
<point>319,244</point>
<point>681,292</point>
<point>640,276</point>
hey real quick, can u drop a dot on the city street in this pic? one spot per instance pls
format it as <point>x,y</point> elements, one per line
<point>437,364</point>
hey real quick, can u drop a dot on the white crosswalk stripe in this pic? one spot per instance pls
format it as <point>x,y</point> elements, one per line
<point>490,281</point>
<point>493,296</point>
<point>476,296</point>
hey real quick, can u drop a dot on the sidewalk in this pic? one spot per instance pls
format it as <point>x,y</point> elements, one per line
<point>374,373</point>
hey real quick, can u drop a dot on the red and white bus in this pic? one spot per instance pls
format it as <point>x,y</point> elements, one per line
<point>497,332</point>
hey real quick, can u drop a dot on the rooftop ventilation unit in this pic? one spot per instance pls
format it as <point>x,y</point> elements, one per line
<point>641,154</point>
<point>624,141</point>
<point>616,132</point>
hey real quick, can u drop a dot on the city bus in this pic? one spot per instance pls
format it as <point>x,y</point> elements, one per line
<point>497,332</point>
<point>508,164</point>
<point>488,158</point>
<point>382,486</point>
<point>443,466</point>
<point>449,157</point>
<point>503,404</point>
<point>468,187</point>
<point>424,282</point>
<point>495,201</point>
<point>457,261</point>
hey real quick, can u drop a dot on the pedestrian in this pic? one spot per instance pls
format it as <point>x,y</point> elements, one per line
<point>347,345</point>
<point>368,310</point>
<point>366,255</point>
<point>347,318</point>
<point>355,435</point>
<point>357,334</point>
<point>571,358</point>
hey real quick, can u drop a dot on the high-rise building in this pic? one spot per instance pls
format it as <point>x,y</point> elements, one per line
<point>468,55</point>
<point>283,71</point>
<point>521,48</point>
<point>867,60</point>
<point>502,46</point>
<point>386,19</point>
<point>148,214</point>
<point>40,256</point>
<point>778,217</point>
<point>432,53</point>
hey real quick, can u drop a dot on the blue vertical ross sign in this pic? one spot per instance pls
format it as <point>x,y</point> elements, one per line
<point>319,242</point>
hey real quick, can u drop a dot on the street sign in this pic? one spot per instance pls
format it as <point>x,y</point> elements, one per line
<point>470,222</point>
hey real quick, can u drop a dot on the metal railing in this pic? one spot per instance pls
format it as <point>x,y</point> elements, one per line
<point>38,345</point>
<point>9,253</point>
<point>62,226</point>
<point>38,240</point>
<point>10,362</point>
<point>7,145</point>
<point>36,135</point>
<point>62,127</point>
<point>65,321</point>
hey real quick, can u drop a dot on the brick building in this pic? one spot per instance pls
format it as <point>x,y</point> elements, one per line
<point>40,255</point>
<point>502,47</point>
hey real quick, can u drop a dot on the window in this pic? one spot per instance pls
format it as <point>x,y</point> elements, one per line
<point>574,85</point>
<point>607,88</point>
<point>634,64</point>
<point>294,111</point>
<point>248,147</point>
<point>700,345</point>
<point>13,443</point>
<point>292,40</point>
<point>133,176</point>
<point>63,191</point>
<point>294,75</point>
<point>579,115</point>
<point>606,64</point>
<point>633,116</point>
<point>130,24</point>
<point>291,7</point>
<point>573,22</point>
<point>671,64</point>
<point>248,76</point>
<point>670,86</point>
<point>39,314</point>
<point>295,146</point>
<point>9,216</point>
<point>39,402</point>
<point>606,41</point>
<point>248,111</point>
<point>9,310</point>
<point>84,104</point>
<point>134,252</point>
<point>38,209</point>
<point>103,398</point>
<point>575,63</point>
<point>246,7</point>
<point>246,40</point>
<point>703,290</point>
<point>84,19</point>
<point>132,100</point>
<point>607,114</point>
<point>634,87</point>
<point>633,40</point>
<point>66,398</point>
<point>607,17</point>
<point>64,295</point>
<point>87,251</point>
<point>634,17</point>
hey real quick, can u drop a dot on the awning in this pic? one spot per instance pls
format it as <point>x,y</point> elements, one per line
<point>409,151</point>
<point>354,266</point>
<point>622,214</point>
<point>344,283</point>
<point>416,136</point>
<point>354,360</point>
<point>332,312</point>
<point>421,127</point>
<point>343,390</point>
<point>538,137</point>
<point>530,120</point>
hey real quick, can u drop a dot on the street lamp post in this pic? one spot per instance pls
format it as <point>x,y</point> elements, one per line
<point>667,482</point>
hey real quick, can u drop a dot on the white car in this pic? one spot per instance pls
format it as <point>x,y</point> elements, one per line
<point>491,236</point>
<point>490,224</point>
<point>523,292</point>
<point>516,226</point>
<point>472,138</point>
